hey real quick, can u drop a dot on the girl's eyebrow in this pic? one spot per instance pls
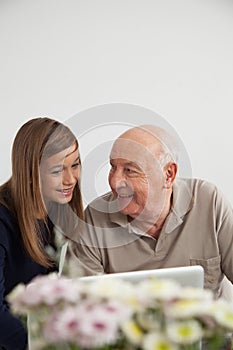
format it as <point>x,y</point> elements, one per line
<point>56,166</point>
<point>77,159</point>
<point>60,166</point>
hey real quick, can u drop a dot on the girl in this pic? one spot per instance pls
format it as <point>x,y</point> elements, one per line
<point>43,191</point>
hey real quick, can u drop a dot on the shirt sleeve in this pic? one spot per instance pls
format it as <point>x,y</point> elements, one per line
<point>224,229</point>
<point>85,250</point>
<point>13,335</point>
<point>86,258</point>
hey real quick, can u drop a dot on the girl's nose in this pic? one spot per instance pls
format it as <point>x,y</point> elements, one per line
<point>69,178</point>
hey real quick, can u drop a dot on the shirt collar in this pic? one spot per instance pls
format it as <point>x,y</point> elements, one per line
<point>182,201</point>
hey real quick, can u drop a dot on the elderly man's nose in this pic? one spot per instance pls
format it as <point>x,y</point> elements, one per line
<point>117,179</point>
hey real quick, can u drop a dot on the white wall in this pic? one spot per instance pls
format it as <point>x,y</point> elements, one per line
<point>174,57</point>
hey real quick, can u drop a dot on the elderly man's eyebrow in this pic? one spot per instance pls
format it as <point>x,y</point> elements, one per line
<point>133,164</point>
<point>128,163</point>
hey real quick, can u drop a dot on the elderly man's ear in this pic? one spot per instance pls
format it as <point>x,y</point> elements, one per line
<point>170,171</point>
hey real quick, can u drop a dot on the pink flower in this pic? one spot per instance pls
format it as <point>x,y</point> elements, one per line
<point>97,325</point>
<point>89,324</point>
<point>62,326</point>
<point>48,290</point>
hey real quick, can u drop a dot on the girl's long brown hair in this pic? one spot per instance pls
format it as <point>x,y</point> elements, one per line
<point>21,194</point>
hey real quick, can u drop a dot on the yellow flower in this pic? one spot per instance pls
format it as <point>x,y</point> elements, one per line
<point>132,331</point>
<point>225,318</point>
<point>187,308</point>
<point>155,341</point>
<point>185,332</point>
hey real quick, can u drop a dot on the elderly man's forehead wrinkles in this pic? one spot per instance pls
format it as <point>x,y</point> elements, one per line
<point>149,145</point>
<point>134,152</point>
<point>125,147</point>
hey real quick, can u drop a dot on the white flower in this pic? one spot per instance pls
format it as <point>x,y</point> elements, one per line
<point>149,320</point>
<point>196,293</point>
<point>132,332</point>
<point>50,290</point>
<point>66,312</point>
<point>61,326</point>
<point>15,298</point>
<point>97,326</point>
<point>223,314</point>
<point>88,325</point>
<point>186,308</point>
<point>155,341</point>
<point>114,288</point>
<point>185,332</point>
<point>157,289</point>
<point>115,308</point>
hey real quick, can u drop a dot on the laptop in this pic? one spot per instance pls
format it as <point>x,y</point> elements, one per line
<point>187,276</point>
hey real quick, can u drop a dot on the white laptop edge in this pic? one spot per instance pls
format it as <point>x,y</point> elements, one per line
<point>187,276</point>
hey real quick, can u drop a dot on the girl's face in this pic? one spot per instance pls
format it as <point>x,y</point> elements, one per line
<point>59,175</point>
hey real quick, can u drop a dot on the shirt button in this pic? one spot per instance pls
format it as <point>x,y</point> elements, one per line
<point>212,280</point>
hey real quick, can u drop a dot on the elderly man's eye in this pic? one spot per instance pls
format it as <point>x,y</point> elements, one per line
<point>112,167</point>
<point>133,172</point>
<point>129,170</point>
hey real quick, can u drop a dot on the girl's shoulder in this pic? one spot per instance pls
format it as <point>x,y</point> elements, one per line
<point>6,213</point>
<point>8,221</point>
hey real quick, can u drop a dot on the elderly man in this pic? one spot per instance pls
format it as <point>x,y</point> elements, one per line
<point>154,219</point>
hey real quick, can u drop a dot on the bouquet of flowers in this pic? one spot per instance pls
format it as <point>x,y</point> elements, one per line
<point>153,314</point>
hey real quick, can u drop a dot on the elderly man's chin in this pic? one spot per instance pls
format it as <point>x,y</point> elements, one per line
<point>127,207</point>
<point>124,203</point>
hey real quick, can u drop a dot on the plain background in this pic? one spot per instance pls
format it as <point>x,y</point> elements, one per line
<point>174,57</point>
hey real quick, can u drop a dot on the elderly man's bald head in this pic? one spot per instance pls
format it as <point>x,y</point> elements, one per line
<point>156,140</point>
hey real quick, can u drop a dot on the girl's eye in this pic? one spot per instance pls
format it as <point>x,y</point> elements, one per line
<point>56,172</point>
<point>76,165</point>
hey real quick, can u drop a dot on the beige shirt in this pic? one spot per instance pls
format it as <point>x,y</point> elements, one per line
<point>197,231</point>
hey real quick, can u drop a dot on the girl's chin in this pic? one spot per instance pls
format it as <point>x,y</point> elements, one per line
<point>64,199</point>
